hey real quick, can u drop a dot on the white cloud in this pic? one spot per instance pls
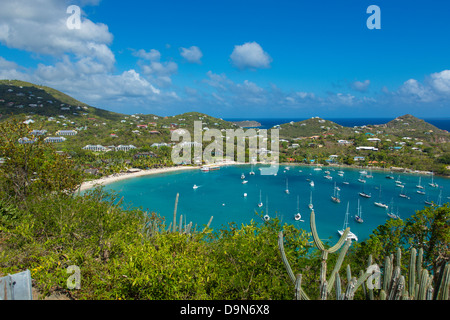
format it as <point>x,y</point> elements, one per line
<point>192,54</point>
<point>360,86</point>
<point>40,27</point>
<point>250,55</point>
<point>151,55</point>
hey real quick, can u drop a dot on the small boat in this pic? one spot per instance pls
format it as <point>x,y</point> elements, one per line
<point>390,176</point>
<point>432,183</point>
<point>350,234</point>
<point>245,195</point>
<point>335,196</point>
<point>311,183</point>
<point>364,172</point>
<point>310,205</point>
<point>287,189</point>
<point>266,216</point>
<point>195,186</point>
<point>260,204</point>
<point>419,186</point>
<point>358,216</point>
<point>341,173</point>
<point>298,216</point>
<point>328,177</point>
<point>244,181</point>
<point>317,169</point>
<point>420,192</point>
<point>428,202</point>
<point>379,203</point>
<point>361,180</point>
<point>364,194</point>
<point>242,176</point>
<point>327,172</point>
<point>214,168</point>
<point>204,169</point>
<point>252,173</point>
<point>391,213</point>
<point>345,182</point>
<point>403,195</point>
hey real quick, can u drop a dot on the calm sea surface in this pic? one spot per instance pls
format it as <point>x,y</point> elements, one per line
<point>221,194</point>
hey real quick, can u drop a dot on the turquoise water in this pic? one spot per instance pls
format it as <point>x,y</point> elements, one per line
<point>221,194</point>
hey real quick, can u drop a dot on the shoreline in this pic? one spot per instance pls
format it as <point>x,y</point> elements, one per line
<point>134,173</point>
<point>144,172</point>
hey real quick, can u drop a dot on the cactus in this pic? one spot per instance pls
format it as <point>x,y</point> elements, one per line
<point>419,285</point>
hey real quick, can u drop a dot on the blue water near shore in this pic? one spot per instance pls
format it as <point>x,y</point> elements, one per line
<point>221,194</point>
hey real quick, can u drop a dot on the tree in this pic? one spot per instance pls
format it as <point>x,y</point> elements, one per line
<point>32,168</point>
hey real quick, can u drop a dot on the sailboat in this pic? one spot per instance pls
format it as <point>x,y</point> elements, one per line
<point>421,191</point>
<point>311,183</point>
<point>335,197</point>
<point>252,172</point>
<point>310,205</point>
<point>403,195</point>
<point>390,176</point>
<point>419,186</point>
<point>364,194</point>
<point>298,216</point>
<point>391,213</point>
<point>260,204</point>
<point>370,174</point>
<point>433,184</point>
<point>379,203</point>
<point>361,179</point>
<point>242,176</point>
<point>266,216</point>
<point>350,235</point>
<point>195,186</point>
<point>358,216</point>
<point>428,201</point>
<point>287,189</point>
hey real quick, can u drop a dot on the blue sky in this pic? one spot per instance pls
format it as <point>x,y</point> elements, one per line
<point>247,58</point>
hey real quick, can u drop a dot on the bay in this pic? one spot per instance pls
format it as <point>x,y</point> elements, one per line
<point>220,194</point>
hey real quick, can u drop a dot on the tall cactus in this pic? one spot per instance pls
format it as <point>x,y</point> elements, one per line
<point>419,285</point>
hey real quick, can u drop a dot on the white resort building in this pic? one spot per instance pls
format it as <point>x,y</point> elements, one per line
<point>66,132</point>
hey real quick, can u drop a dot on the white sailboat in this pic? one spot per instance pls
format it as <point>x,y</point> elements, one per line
<point>298,216</point>
<point>350,235</point>
<point>379,203</point>
<point>252,172</point>
<point>310,205</point>
<point>433,184</point>
<point>287,188</point>
<point>242,176</point>
<point>311,183</point>
<point>403,195</point>
<point>358,216</point>
<point>195,186</point>
<point>391,213</point>
<point>335,198</point>
<point>364,194</point>
<point>266,216</point>
<point>419,186</point>
<point>260,204</point>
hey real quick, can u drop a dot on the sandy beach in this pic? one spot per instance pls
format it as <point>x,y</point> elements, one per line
<point>133,173</point>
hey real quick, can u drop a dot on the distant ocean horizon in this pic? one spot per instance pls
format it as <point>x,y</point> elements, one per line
<point>267,123</point>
